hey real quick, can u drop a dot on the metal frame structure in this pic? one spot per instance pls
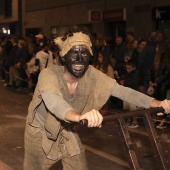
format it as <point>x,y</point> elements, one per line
<point>129,146</point>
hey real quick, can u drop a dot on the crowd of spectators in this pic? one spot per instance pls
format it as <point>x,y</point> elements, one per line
<point>141,64</point>
<point>21,60</point>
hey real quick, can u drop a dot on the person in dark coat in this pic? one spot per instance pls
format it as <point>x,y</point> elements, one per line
<point>159,79</point>
<point>22,58</point>
<point>11,60</point>
<point>7,49</point>
<point>131,79</point>
<point>146,60</point>
<point>117,60</point>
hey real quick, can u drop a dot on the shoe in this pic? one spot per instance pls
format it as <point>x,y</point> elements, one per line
<point>128,123</point>
<point>133,125</point>
<point>161,125</point>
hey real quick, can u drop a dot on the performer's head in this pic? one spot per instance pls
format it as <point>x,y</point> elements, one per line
<point>75,52</point>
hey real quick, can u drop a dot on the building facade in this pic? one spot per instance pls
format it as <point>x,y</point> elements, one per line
<point>106,17</point>
<point>10,17</point>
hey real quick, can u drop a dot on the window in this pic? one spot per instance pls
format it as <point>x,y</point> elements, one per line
<point>8,8</point>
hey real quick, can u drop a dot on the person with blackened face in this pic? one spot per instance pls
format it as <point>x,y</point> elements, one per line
<point>68,93</point>
<point>77,60</point>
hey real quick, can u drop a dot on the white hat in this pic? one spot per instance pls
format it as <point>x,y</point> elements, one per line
<point>39,36</point>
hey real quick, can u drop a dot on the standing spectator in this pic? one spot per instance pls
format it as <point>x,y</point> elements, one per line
<point>2,58</point>
<point>138,49</point>
<point>131,80</point>
<point>103,64</point>
<point>55,51</point>
<point>20,65</point>
<point>13,73</point>
<point>7,49</point>
<point>159,79</point>
<point>117,59</point>
<point>30,46</point>
<point>135,57</point>
<point>129,39</point>
<point>38,38</point>
<point>44,58</point>
<point>146,59</point>
<point>32,77</point>
<point>163,45</point>
<point>131,50</point>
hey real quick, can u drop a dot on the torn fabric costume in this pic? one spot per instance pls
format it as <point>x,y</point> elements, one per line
<point>51,101</point>
<point>46,141</point>
<point>78,38</point>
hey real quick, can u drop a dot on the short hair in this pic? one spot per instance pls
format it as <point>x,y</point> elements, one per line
<point>15,38</point>
<point>130,33</point>
<point>43,43</point>
<point>119,36</point>
<point>142,40</point>
<point>131,63</point>
<point>21,42</point>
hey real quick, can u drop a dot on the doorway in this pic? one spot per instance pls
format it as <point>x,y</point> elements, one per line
<point>114,29</point>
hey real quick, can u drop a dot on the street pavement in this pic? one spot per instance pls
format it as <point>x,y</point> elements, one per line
<point>104,149</point>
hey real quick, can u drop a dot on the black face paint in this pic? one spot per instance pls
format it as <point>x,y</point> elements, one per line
<point>77,60</point>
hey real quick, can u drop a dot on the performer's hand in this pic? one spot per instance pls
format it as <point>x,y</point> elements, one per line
<point>94,118</point>
<point>166,105</point>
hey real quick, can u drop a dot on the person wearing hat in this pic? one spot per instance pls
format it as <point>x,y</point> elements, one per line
<point>38,39</point>
<point>44,56</point>
<point>69,93</point>
<point>41,60</point>
<point>39,36</point>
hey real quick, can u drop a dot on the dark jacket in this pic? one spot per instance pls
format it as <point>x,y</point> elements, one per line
<point>161,76</point>
<point>146,59</point>
<point>132,80</point>
<point>22,56</point>
<point>119,52</point>
<point>12,55</point>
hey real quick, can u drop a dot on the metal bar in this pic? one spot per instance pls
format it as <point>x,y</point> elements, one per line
<point>154,110</point>
<point>155,141</point>
<point>128,145</point>
<point>126,114</point>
